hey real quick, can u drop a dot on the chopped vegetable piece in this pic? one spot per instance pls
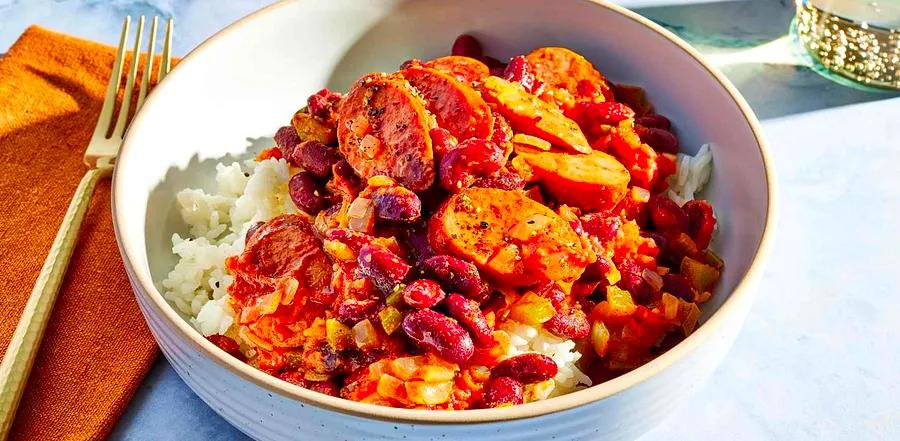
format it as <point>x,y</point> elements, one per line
<point>599,338</point>
<point>390,319</point>
<point>532,309</point>
<point>702,276</point>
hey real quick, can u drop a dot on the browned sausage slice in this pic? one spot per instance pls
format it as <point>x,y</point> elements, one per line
<point>564,69</point>
<point>457,107</point>
<point>383,130</point>
<point>464,69</point>
<point>288,246</point>
<point>595,181</point>
<point>531,115</point>
<point>512,238</point>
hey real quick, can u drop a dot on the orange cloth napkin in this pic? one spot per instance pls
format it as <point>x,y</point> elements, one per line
<point>97,347</point>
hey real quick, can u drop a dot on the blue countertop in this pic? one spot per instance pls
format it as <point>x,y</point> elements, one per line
<point>819,355</point>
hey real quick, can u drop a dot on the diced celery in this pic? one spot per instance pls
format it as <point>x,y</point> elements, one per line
<point>339,336</point>
<point>390,319</point>
<point>396,296</point>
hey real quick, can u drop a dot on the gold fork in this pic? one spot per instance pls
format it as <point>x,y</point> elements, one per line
<point>100,158</point>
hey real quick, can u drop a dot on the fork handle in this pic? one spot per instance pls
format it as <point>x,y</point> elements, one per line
<point>26,339</point>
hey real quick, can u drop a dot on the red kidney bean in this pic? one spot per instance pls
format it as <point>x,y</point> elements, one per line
<point>317,106</point>
<point>351,312</point>
<point>307,194</point>
<point>526,368</point>
<point>397,204</point>
<point>661,140</point>
<point>471,159</point>
<point>469,314</point>
<point>503,391</point>
<point>467,46</point>
<point>701,221</point>
<point>416,240</point>
<point>456,275</point>
<point>520,71</point>
<point>315,157</point>
<point>431,329</point>
<point>678,285</point>
<point>633,279</point>
<point>423,294</point>
<point>345,178</point>
<point>385,269</point>
<point>603,226</point>
<point>572,325</point>
<point>441,141</point>
<point>320,104</point>
<point>655,121</point>
<point>496,66</point>
<point>503,179</point>
<point>666,215</point>
<point>286,139</point>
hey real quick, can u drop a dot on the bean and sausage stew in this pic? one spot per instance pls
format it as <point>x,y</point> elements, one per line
<point>472,234</point>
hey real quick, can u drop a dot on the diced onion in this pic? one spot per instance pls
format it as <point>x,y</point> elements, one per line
<point>364,334</point>
<point>641,194</point>
<point>360,214</point>
<point>653,279</point>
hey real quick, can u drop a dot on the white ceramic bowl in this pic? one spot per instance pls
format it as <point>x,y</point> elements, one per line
<point>237,88</point>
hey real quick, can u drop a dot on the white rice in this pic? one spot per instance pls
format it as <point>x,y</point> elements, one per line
<point>691,175</point>
<point>218,221</point>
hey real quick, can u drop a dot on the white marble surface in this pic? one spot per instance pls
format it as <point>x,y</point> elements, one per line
<point>819,356</point>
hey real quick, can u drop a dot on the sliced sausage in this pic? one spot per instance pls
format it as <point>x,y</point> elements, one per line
<point>564,69</point>
<point>511,238</point>
<point>465,69</point>
<point>288,246</point>
<point>531,115</point>
<point>383,130</point>
<point>595,181</point>
<point>457,107</point>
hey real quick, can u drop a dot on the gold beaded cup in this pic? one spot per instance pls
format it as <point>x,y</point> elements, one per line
<point>859,48</point>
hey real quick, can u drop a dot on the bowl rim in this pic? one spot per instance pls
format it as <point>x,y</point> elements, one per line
<point>744,291</point>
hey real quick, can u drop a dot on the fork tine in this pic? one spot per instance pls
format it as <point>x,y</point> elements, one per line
<point>112,89</point>
<point>148,65</point>
<point>166,63</point>
<point>129,83</point>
